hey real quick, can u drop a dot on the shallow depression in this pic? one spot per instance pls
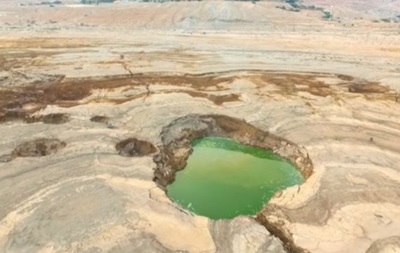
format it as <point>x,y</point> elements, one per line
<point>224,179</point>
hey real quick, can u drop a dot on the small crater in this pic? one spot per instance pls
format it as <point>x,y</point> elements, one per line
<point>52,118</point>
<point>135,147</point>
<point>38,147</point>
<point>367,88</point>
<point>345,77</point>
<point>100,119</point>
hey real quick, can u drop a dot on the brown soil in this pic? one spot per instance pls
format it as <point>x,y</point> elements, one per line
<point>20,102</point>
<point>52,118</point>
<point>38,147</point>
<point>135,147</point>
<point>368,88</point>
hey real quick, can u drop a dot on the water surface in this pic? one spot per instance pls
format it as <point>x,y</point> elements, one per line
<point>224,178</point>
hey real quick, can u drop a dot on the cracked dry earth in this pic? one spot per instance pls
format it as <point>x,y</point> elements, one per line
<point>83,115</point>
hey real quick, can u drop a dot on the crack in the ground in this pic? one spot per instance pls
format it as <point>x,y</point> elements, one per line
<point>148,91</point>
<point>124,65</point>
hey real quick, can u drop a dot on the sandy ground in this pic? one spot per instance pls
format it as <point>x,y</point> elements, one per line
<point>329,86</point>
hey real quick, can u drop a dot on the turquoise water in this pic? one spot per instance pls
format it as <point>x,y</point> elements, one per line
<point>224,179</point>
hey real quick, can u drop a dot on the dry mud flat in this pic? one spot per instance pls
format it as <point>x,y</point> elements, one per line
<point>94,123</point>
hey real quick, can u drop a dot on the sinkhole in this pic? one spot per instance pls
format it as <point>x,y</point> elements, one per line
<point>224,178</point>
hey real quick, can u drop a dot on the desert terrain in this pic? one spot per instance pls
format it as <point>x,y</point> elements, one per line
<point>94,100</point>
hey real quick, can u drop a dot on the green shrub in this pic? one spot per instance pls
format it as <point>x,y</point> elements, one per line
<point>327,15</point>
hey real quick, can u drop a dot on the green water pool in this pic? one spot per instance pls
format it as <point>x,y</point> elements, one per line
<point>224,179</point>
